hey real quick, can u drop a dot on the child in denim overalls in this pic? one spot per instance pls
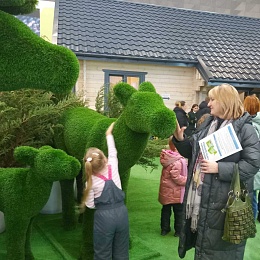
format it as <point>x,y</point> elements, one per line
<point>104,193</point>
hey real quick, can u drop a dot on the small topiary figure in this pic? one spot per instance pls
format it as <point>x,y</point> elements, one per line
<point>24,192</point>
<point>144,114</point>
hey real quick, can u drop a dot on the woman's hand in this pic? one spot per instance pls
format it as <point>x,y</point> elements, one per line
<point>110,129</point>
<point>179,132</point>
<point>208,166</point>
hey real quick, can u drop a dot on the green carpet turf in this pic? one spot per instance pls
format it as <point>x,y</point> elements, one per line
<point>51,242</point>
<point>68,243</point>
<point>42,248</point>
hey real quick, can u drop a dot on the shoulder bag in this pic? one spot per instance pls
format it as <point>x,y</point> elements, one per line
<point>239,221</point>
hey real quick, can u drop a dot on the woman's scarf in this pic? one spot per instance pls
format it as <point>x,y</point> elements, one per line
<point>195,188</point>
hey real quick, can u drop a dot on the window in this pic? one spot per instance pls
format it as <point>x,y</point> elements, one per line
<point>131,77</point>
<point>112,77</point>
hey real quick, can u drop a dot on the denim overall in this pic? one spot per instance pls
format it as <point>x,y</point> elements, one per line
<point>111,227</point>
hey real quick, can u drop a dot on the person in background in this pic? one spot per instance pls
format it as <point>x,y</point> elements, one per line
<point>104,193</point>
<point>208,182</point>
<point>172,188</point>
<point>251,105</point>
<point>192,120</point>
<point>180,107</point>
<point>203,108</point>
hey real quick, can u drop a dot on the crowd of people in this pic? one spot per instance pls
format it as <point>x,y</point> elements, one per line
<point>193,188</point>
<point>190,119</point>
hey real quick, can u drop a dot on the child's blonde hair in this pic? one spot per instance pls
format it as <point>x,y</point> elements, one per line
<point>94,161</point>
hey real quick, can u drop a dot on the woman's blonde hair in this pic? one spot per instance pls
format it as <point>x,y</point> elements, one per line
<point>94,161</point>
<point>180,103</point>
<point>229,100</point>
<point>251,104</point>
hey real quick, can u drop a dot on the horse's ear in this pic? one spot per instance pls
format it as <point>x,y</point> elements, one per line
<point>25,154</point>
<point>147,86</point>
<point>123,92</point>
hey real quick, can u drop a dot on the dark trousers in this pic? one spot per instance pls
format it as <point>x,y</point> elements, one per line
<point>111,234</point>
<point>166,213</point>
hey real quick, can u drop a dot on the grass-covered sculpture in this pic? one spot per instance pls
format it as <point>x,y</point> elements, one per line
<point>144,114</point>
<point>24,192</point>
<point>27,60</point>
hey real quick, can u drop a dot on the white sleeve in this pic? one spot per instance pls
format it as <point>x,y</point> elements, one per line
<point>113,161</point>
<point>112,152</point>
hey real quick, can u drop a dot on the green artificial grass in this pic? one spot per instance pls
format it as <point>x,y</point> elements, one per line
<point>50,241</point>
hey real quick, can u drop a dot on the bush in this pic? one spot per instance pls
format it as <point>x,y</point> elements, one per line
<point>28,117</point>
<point>107,103</point>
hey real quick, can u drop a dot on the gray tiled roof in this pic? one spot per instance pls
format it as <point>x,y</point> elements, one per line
<point>223,47</point>
<point>32,22</point>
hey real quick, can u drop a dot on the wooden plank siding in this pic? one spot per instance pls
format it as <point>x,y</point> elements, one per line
<point>181,83</point>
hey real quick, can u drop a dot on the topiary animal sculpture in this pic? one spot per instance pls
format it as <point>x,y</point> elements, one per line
<point>144,114</point>
<point>24,192</point>
<point>27,60</point>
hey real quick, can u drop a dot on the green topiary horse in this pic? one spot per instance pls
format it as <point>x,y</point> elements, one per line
<point>144,114</point>
<point>24,192</point>
<point>27,60</point>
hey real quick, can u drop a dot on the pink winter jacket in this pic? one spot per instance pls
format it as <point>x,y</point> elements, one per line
<point>173,178</point>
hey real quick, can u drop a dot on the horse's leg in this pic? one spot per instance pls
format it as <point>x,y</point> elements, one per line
<point>16,229</point>
<point>79,182</point>
<point>28,250</point>
<point>80,187</point>
<point>68,204</point>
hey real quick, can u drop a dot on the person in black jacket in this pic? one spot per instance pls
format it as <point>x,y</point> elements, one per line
<point>181,115</point>
<point>208,182</point>
<point>203,108</point>
<point>192,120</point>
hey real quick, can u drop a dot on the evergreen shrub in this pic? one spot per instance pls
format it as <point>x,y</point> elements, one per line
<point>29,117</point>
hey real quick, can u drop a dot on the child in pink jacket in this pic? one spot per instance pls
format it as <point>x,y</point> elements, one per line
<point>172,188</point>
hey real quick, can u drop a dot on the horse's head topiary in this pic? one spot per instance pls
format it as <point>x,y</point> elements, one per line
<point>145,110</point>
<point>48,163</point>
